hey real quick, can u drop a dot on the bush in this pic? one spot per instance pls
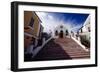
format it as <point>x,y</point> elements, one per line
<point>85,41</point>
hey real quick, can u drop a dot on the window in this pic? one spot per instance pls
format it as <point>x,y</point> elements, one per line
<point>61,26</point>
<point>66,32</point>
<point>31,22</point>
<point>88,29</point>
<point>81,30</point>
<point>56,32</point>
<point>40,32</point>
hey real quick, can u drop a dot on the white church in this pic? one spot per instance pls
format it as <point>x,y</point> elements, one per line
<point>61,31</point>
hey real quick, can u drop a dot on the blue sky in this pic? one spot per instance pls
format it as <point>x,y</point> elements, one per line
<point>73,21</point>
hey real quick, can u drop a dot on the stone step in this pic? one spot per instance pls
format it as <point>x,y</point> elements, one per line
<point>62,49</point>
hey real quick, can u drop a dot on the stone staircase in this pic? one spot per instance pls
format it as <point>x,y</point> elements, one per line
<point>72,48</point>
<point>64,48</point>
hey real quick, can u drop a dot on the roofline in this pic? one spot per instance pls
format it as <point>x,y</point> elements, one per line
<point>37,16</point>
<point>84,22</point>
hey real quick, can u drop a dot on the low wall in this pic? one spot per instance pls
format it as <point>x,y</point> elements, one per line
<point>36,51</point>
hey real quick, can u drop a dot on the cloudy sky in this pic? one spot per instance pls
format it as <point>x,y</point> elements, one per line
<point>50,20</point>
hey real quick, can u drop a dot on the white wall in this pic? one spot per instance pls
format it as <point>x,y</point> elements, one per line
<point>86,25</point>
<point>58,28</point>
<point>5,21</point>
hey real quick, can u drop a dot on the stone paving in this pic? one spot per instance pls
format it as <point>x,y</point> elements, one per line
<point>61,48</point>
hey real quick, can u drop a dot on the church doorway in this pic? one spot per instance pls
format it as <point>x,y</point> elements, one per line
<point>61,34</point>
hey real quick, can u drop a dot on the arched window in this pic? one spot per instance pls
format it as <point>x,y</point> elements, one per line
<point>66,32</point>
<point>56,33</point>
<point>61,34</point>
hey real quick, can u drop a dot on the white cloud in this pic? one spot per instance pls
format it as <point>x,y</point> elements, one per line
<point>76,28</point>
<point>42,14</point>
<point>50,17</point>
<point>50,23</point>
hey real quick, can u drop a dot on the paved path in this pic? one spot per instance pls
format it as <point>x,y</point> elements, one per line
<point>61,48</point>
<point>73,49</point>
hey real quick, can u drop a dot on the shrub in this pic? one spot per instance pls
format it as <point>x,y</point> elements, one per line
<point>85,41</point>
